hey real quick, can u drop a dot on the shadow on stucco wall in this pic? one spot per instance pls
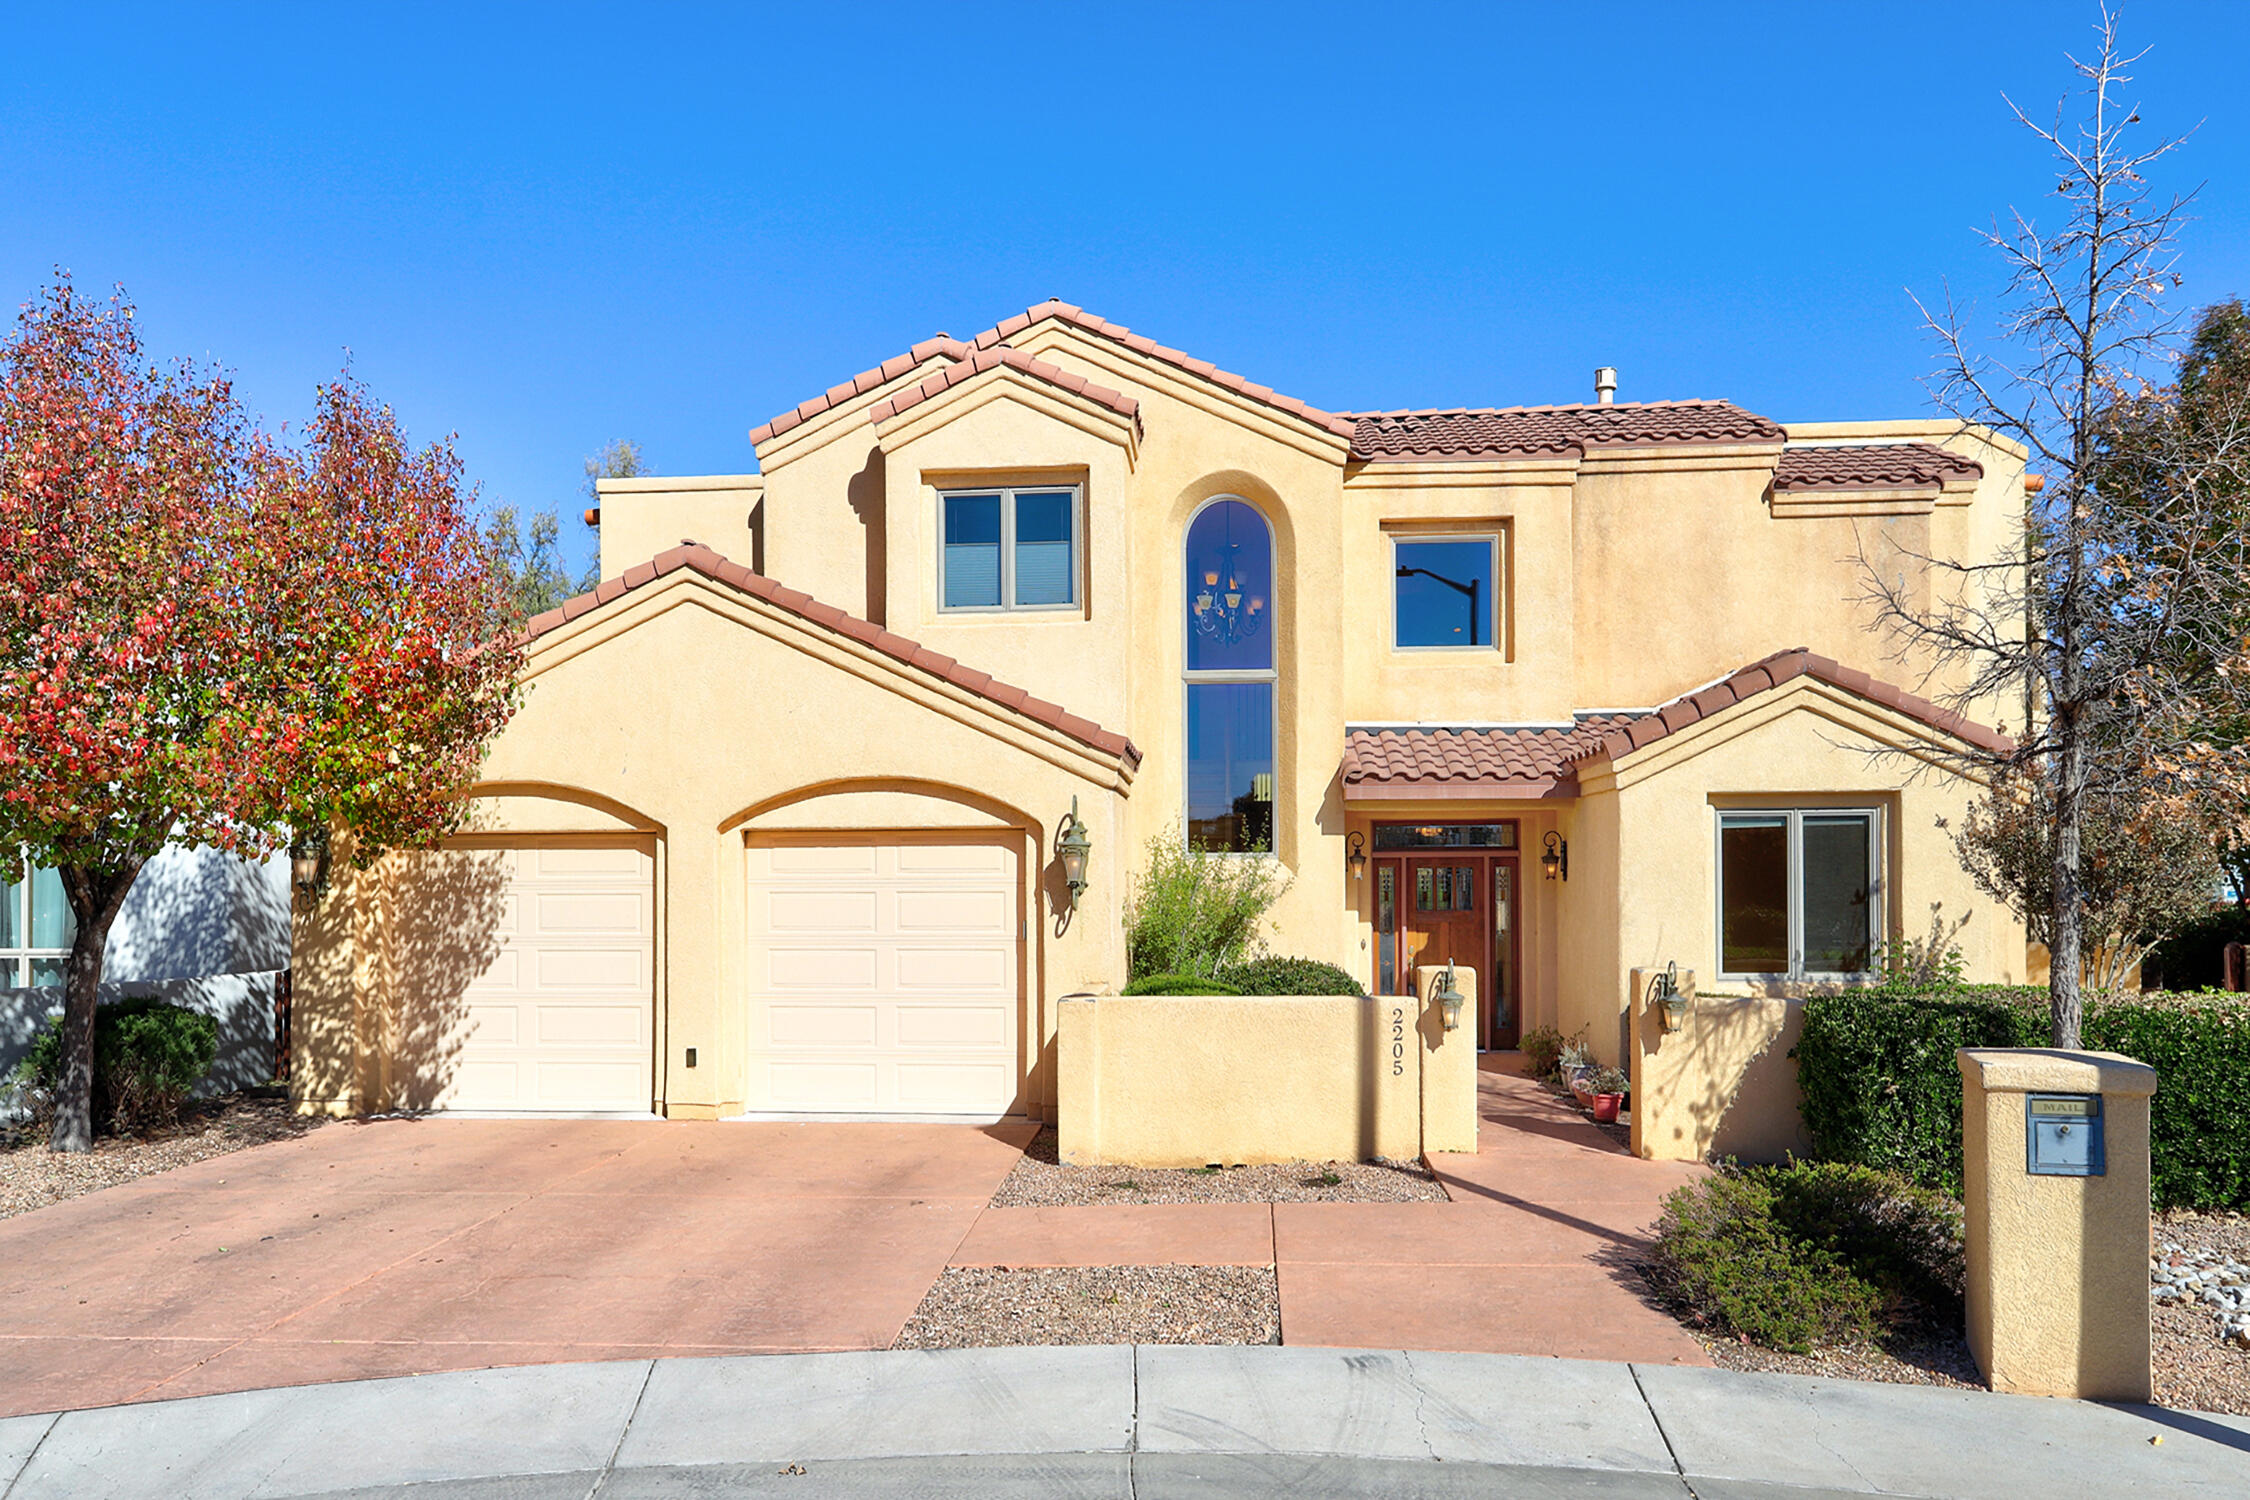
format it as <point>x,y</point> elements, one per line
<point>202,929</point>
<point>445,918</point>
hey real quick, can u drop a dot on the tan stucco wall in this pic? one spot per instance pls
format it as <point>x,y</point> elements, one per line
<point>2057,1288</point>
<point>643,517</point>
<point>1190,1081</point>
<point>1723,1084</point>
<point>695,713</point>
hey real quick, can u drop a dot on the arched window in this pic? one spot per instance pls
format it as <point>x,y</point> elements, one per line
<point>1230,679</point>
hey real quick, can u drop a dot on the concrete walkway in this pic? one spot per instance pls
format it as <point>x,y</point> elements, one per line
<point>1534,1255</point>
<point>1119,1421</point>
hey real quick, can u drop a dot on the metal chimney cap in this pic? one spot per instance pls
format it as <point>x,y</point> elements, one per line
<point>1605,384</point>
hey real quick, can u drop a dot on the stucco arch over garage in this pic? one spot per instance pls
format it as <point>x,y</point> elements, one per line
<point>689,698</point>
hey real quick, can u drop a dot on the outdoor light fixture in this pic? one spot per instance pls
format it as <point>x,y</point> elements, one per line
<point>1556,861</point>
<point>1449,998</point>
<point>308,864</point>
<point>1071,847</point>
<point>1355,854</point>
<point>1664,994</point>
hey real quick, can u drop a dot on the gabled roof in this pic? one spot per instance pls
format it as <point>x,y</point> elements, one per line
<point>1871,466</point>
<point>1771,672</point>
<point>997,356</point>
<point>1518,761</point>
<point>1513,431</point>
<point>701,559</point>
<point>942,346</point>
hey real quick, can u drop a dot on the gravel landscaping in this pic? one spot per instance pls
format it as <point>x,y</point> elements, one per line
<point>1040,1181</point>
<point>973,1308</point>
<point>32,1177</point>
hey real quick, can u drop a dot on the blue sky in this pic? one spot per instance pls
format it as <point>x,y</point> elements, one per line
<point>544,227</point>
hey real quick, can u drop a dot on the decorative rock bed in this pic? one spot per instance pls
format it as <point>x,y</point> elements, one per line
<point>2192,1277</point>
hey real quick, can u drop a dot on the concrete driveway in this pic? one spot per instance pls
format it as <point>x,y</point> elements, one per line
<point>404,1246</point>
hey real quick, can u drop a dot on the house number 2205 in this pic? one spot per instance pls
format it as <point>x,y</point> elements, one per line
<point>1398,1041</point>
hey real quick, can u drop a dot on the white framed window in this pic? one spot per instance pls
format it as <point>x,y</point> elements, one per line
<point>36,925</point>
<point>1800,892</point>
<point>1009,548</point>
<point>1445,592</point>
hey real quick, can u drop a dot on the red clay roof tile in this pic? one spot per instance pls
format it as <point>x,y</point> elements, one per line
<point>1518,431</point>
<point>996,357</point>
<point>1376,760</point>
<point>1871,466</point>
<point>703,560</point>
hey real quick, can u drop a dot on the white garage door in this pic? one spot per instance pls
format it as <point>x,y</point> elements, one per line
<point>883,977</point>
<point>558,946</point>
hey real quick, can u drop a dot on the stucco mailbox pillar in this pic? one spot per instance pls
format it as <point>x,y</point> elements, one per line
<point>2056,1179</point>
<point>1449,1062</point>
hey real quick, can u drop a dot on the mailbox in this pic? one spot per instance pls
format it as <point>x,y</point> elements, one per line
<point>2063,1135</point>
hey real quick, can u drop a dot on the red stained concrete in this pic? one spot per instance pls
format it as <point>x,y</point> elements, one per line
<point>408,1246</point>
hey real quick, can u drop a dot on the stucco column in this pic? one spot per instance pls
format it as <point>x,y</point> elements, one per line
<point>1449,1062</point>
<point>2056,1200</point>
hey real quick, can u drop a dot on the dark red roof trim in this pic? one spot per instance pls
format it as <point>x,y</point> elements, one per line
<point>1515,431</point>
<point>1873,466</point>
<point>999,355</point>
<point>701,559</point>
<point>1527,761</point>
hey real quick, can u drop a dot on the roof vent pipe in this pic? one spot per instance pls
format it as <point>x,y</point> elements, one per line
<point>1605,384</point>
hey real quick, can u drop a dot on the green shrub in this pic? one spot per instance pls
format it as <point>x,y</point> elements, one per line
<point>1542,1051</point>
<point>1290,976</point>
<point>148,1057</point>
<point>1881,1087</point>
<point>1808,1253</point>
<point>2194,957</point>
<point>1192,911</point>
<point>1178,984</point>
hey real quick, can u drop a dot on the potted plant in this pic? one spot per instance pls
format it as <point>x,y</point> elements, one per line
<point>1577,1066</point>
<point>1609,1087</point>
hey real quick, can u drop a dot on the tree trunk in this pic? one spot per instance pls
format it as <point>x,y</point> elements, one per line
<point>95,899</point>
<point>2066,1005</point>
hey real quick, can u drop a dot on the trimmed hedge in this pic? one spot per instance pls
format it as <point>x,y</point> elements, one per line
<point>1881,1087</point>
<point>1290,976</point>
<point>1177,984</point>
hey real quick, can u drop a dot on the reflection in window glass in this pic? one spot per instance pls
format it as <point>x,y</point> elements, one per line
<point>1445,592</point>
<point>36,925</point>
<point>1835,874</point>
<point>1230,766</point>
<point>1754,894</point>
<point>1445,836</point>
<point>1386,928</point>
<point>11,913</point>
<point>1044,566</point>
<point>972,551</point>
<point>1229,590</point>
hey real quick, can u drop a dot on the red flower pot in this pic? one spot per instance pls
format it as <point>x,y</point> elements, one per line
<point>1606,1106</point>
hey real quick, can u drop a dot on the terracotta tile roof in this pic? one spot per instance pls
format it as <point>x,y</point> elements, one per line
<point>993,357</point>
<point>1510,431</point>
<point>942,346</point>
<point>1872,466</point>
<point>1527,760</point>
<point>703,560</point>
<point>1772,672</point>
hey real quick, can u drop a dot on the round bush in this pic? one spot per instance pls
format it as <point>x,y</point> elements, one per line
<point>148,1057</point>
<point>1290,976</point>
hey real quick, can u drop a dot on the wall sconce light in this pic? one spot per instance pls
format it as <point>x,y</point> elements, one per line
<point>1355,854</point>
<point>1449,998</point>
<point>1556,861</point>
<point>1664,994</point>
<point>308,863</point>
<point>1072,847</point>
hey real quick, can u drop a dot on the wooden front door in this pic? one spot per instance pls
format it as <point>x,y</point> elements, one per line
<point>1460,908</point>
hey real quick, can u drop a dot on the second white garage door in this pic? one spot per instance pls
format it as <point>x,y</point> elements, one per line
<point>883,977</point>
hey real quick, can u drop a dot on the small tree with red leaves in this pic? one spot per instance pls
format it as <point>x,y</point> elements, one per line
<point>210,638</point>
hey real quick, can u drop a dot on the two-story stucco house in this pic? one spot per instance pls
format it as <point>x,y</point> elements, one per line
<point>1554,692</point>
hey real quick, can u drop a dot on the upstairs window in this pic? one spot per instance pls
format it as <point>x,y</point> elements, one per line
<point>36,925</point>
<point>1445,592</point>
<point>1798,893</point>
<point>1008,549</point>
<point>1230,679</point>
